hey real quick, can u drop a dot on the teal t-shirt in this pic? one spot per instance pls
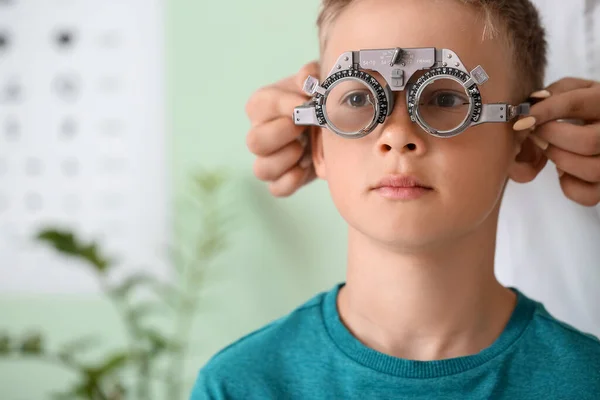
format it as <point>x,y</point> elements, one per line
<point>310,354</point>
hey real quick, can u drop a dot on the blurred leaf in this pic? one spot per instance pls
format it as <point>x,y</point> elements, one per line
<point>164,291</point>
<point>210,182</point>
<point>141,310</point>
<point>62,241</point>
<point>167,293</point>
<point>66,243</point>
<point>4,343</point>
<point>210,246</point>
<point>82,390</point>
<point>90,253</point>
<point>132,281</point>
<point>32,344</point>
<point>110,364</point>
<point>70,348</point>
<point>158,341</point>
<point>177,257</point>
<point>117,392</point>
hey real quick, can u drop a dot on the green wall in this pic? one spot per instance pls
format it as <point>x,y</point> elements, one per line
<point>282,251</point>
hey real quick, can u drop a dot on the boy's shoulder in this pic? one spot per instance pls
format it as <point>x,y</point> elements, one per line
<point>553,354</point>
<point>565,341</point>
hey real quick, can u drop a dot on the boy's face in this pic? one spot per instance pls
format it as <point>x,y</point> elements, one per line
<point>466,173</point>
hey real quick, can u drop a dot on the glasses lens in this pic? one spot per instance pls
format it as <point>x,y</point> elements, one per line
<point>444,104</point>
<point>350,106</point>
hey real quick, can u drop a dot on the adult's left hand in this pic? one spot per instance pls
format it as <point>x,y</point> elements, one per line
<point>574,148</point>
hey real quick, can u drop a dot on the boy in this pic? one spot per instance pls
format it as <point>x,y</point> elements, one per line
<point>421,314</point>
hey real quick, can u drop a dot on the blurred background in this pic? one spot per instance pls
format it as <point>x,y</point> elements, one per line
<point>122,165</point>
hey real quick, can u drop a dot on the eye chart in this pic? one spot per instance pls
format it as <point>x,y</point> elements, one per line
<point>82,137</point>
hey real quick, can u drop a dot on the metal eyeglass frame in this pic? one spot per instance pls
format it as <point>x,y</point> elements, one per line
<point>397,66</point>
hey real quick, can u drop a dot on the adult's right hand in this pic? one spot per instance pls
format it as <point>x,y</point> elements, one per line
<point>282,150</point>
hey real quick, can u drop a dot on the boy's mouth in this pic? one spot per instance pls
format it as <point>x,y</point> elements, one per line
<point>400,181</point>
<point>401,187</point>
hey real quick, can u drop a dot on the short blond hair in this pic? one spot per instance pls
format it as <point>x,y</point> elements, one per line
<point>517,21</point>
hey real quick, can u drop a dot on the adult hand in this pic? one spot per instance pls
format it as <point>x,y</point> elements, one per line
<point>282,148</point>
<point>574,148</point>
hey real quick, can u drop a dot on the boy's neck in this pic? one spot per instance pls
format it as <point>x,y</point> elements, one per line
<point>427,305</point>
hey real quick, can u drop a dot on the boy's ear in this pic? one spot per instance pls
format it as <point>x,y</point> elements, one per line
<point>316,142</point>
<point>529,159</point>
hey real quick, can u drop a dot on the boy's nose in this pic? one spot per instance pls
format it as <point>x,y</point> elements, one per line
<point>400,134</point>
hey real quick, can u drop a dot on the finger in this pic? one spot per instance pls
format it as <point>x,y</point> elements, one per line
<point>288,84</point>
<point>312,68</point>
<point>567,84</point>
<point>583,140</point>
<point>272,167</point>
<point>289,182</point>
<point>532,155</point>
<point>581,192</point>
<point>266,139</point>
<point>582,167</point>
<point>272,102</point>
<point>578,104</point>
<point>310,175</point>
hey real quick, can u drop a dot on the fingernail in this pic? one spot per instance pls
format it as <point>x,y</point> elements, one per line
<point>560,172</point>
<point>541,94</point>
<point>524,123</point>
<point>541,143</point>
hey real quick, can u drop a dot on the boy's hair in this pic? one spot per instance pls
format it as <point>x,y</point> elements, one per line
<point>517,21</point>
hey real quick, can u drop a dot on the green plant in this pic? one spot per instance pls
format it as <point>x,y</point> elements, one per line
<point>151,353</point>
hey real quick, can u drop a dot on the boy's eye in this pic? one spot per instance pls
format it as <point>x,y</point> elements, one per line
<point>357,99</point>
<point>447,100</point>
